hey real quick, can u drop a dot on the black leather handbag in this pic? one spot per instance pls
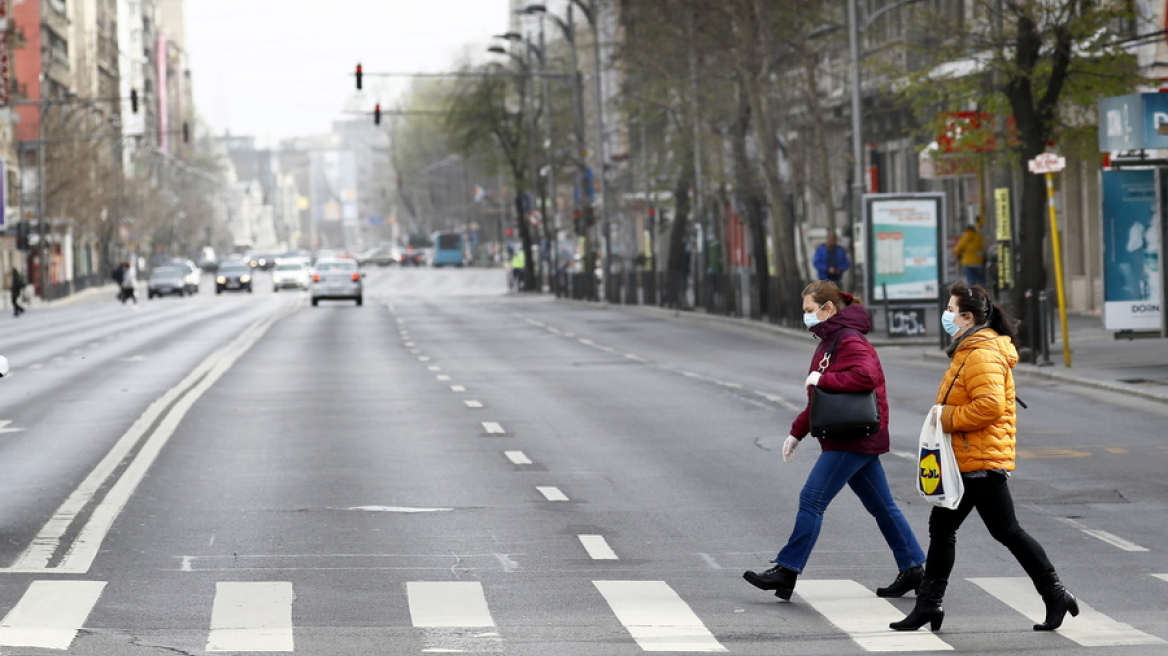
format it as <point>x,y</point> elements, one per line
<point>842,415</point>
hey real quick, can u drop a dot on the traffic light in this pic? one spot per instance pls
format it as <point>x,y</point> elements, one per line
<point>358,76</point>
<point>186,132</point>
<point>134,100</point>
<point>377,114</point>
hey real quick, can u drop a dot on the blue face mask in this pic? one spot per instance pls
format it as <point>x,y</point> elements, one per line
<point>810,320</point>
<point>947,318</point>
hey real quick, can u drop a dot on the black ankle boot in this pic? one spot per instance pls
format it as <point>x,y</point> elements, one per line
<point>928,608</point>
<point>1058,601</point>
<point>909,579</point>
<point>779,579</point>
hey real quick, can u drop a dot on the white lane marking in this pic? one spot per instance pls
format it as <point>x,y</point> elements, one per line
<point>448,604</point>
<point>865,617</point>
<point>634,357</point>
<point>398,509</point>
<point>187,564</point>
<point>415,351</point>
<point>5,429</point>
<point>473,404</point>
<point>408,344</point>
<point>179,400</point>
<point>251,616</point>
<point>713,564</point>
<point>1090,629</point>
<point>656,617</point>
<point>423,358</point>
<point>775,398</point>
<point>1162,577</point>
<point>1110,538</point>
<point>537,324</point>
<point>442,377</point>
<point>597,547</point>
<point>551,493</point>
<point>50,614</point>
<point>517,457</point>
<point>493,427</point>
<point>434,368</point>
<point>457,388</point>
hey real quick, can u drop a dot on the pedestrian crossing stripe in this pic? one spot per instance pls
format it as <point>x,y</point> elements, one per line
<point>865,618</point>
<point>50,614</point>
<point>455,616</point>
<point>1090,629</point>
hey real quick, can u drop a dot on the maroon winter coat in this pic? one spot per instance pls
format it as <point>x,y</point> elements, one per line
<point>854,367</point>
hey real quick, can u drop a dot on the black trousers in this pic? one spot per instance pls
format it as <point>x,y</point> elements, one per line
<point>991,497</point>
<point>16,308</point>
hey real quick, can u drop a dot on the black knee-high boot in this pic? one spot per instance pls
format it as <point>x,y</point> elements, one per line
<point>1059,601</point>
<point>928,608</point>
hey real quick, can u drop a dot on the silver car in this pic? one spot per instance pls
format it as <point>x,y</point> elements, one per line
<point>336,279</point>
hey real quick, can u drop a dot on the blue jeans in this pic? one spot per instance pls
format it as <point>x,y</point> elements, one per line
<point>975,274</point>
<point>864,474</point>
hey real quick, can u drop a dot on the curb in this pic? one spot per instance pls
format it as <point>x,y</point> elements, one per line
<point>1021,371</point>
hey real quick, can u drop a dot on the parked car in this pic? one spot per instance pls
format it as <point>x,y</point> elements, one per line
<point>233,277</point>
<point>290,275</point>
<point>336,279</point>
<point>166,281</point>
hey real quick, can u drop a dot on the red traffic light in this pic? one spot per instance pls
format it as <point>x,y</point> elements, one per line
<point>358,77</point>
<point>377,114</point>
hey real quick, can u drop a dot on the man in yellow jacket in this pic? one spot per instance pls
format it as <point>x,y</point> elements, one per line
<point>970,255</point>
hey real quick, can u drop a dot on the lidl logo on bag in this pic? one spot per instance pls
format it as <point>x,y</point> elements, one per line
<point>930,472</point>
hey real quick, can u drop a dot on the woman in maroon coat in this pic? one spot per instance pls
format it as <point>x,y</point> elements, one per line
<point>853,367</point>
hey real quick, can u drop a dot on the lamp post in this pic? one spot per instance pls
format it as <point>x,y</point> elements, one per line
<point>854,30</point>
<point>568,29</point>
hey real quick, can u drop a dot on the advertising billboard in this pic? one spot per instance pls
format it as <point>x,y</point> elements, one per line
<point>904,246</point>
<point>1132,291</point>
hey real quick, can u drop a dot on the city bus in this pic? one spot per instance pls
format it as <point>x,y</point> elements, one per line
<point>449,249</point>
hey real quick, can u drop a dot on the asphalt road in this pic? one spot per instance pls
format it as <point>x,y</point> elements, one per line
<point>454,469</point>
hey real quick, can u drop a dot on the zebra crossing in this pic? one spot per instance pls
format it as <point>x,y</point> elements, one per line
<point>453,616</point>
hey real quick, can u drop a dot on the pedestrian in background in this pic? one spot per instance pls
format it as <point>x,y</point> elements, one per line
<point>970,254</point>
<point>855,462</point>
<point>978,411</point>
<point>126,284</point>
<point>830,259</point>
<point>518,266</point>
<point>15,287</point>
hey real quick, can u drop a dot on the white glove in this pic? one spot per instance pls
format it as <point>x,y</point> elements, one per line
<point>789,448</point>
<point>812,379</point>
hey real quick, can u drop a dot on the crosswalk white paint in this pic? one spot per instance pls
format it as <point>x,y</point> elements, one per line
<point>473,404</point>
<point>597,547</point>
<point>493,428</point>
<point>656,617</point>
<point>448,604</point>
<point>251,616</point>
<point>1090,629</point>
<point>551,493</point>
<point>49,614</point>
<point>517,457</point>
<point>457,388</point>
<point>865,617</point>
<point>442,377</point>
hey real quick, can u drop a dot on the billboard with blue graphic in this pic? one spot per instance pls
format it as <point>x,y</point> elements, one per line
<point>904,246</point>
<point>1131,250</point>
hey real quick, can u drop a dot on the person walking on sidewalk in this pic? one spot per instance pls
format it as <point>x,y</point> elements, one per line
<point>15,287</point>
<point>853,367</point>
<point>970,253</point>
<point>978,411</point>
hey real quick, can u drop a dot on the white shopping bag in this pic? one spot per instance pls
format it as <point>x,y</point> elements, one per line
<point>938,478</point>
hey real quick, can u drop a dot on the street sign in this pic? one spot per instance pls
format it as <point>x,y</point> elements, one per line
<point>1048,163</point>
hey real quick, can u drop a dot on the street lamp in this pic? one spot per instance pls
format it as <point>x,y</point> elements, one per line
<point>854,30</point>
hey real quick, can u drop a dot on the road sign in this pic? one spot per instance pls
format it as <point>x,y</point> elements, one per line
<point>1048,163</point>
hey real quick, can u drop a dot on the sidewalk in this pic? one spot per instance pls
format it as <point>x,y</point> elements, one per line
<point>1137,367</point>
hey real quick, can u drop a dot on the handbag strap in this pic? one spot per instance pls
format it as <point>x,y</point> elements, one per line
<point>826,359</point>
<point>954,382</point>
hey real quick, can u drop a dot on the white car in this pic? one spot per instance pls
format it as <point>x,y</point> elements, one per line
<point>290,275</point>
<point>336,279</point>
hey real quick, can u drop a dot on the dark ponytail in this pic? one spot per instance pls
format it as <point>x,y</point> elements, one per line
<point>977,302</point>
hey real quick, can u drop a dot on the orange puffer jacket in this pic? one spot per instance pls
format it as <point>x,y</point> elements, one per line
<point>979,412</point>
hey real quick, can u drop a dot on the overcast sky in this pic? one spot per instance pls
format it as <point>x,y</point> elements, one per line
<point>275,69</point>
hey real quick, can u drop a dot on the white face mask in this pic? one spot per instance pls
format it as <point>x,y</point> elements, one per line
<point>810,320</point>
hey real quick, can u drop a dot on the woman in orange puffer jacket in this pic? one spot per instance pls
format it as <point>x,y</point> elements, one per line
<point>978,411</point>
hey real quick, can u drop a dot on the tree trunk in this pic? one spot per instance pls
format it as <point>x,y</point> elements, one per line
<point>751,200</point>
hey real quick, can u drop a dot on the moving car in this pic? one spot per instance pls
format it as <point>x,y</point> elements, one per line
<point>192,276</point>
<point>233,277</point>
<point>381,256</point>
<point>336,279</point>
<point>166,281</point>
<point>290,275</point>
